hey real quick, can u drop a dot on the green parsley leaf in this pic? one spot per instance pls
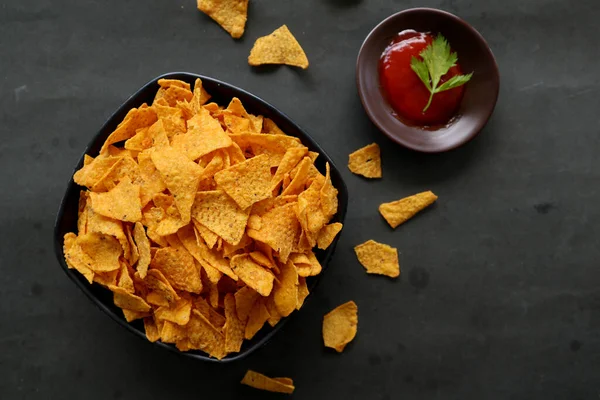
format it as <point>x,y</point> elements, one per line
<point>437,60</point>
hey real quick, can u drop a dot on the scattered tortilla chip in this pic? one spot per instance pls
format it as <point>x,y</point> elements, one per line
<point>252,274</point>
<point>399,211</point>
<point>247,182</point>
<point>262,382</point>
<point>366,161</point>
<point>280,47</point>
<point>230,14</point>
<point>258,316</point>
<point>221,214</point>
<point>340,325</point>
<point>327,234</point>
<point>178,267</point>
<point>122,202</point>
<point>378,258</point>
<point>181,177</point>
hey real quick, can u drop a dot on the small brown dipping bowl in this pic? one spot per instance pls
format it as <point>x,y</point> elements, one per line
<point>480,95</point>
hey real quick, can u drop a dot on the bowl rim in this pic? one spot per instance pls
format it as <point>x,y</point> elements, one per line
<point>481,122</point>
<point>275,114</point>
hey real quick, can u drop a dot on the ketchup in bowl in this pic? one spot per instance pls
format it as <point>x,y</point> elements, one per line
<point>403,88</point>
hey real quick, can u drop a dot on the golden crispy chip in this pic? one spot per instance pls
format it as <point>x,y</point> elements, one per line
<point>378,258</point>
<point>167,83</point>
<point>76,258</point>
<point>151,329</point>
<point>230,14</point>
<point>125,168</point>
<point>329,201</point>
<point>221,214</point>
<point>262,382</point>
<point>205,336</point>
<point>252,274</point>
<point>200,97</point>
<point>204,135</point>
<point>280,47</point>
<point>254,222</point>
<point>143,245</point>
<point>230,250</point>
<point>151,217</point>
<point>122,202</point>
<point>280,230</point>
<point>102,252</point>
<point>93,172</point>
<point>157,299</point>
<point>399,211</point>
<point>179,312</point>
<point>261,259</point>
<point>215,164</point>
<point>290,159</point>
<point>234,327</point>
<point>171,221</point>
<point>181,176</point>
<point>209,312</point>
<point>339,326</point>
<point>309,211</point>
<point>366,161</point>
<point>247,182</point>
<point>151,180</point>
<point>258,316</point>
<point>296,186</point>
<point>203,254</point>
<point>129,301</point>
<point>156,281</point>
<point>175,94</point>
<point>245,298</point>
<point>135,119</point>
<point>285,292</point>
<point>236,108</point>
<point>173,123</point>
<point>178,267</point>
<point>235,124</point>
<point>274,316</point>
<point>269,126</point>
<point>274,146</point>
<point>172,333</point>
<point>133,315</point>
<point>124,280</point>
<point>135,255</point>
<point>108,226</point>
<point>327,234</point>
<point>208,236</point>
<point>302,292</point>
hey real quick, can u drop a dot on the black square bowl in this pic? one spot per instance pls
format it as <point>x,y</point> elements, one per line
<point>222,93</point>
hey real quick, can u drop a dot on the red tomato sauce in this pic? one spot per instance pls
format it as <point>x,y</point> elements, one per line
<point>403,89</point>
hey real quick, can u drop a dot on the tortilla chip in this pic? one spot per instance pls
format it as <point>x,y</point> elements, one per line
<point>252,274</point>
<point>90,174</point>
<point>274,316</point>
<point>151,329</point>
<point>378,258</point>
<point>100,252</point>
<point>234,327</point>
<point>258,316</point>
<point>178,267</point>
<point>329,200</point>
<point>247,182</point>
<point>280,47</point>
<point>285,292</point>
<point>309,211</point>
<point>204,135</point>
<point>221,214</point>
<point>201,96</point>
<point>143,245</point>
<point>181,176</point>
<point>399,211</point>
<point>208,236</point>
<point>245,298</point>
<point>280,230</point>
<point>327,234</point>
<point>124,280</point>
<point>204,336</point>
<point>340,325</point>
<point>269,126</point>
<point>135,119</point>
<point>151,180</point>
<point>175,94</point>
<point>122,202</point>
<point>262,382</point>
<point>156,281</point>
<point>274,146</point>
<point>302,292</point>
<point>167,83</point>
<point>76,258</point>
<point>296,186</point>
<point>290,159</point>
<point>216,319</point>
<point>134,315</point>
<point>129,301</point>
<point>366,161</point>
<point>235,124</point>
<point>178,312</point>
<point>230,14</point>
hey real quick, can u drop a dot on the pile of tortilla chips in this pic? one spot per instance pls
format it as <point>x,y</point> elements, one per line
<point>201,220</point>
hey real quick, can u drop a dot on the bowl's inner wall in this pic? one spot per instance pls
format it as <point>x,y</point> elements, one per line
<point>222,94</point>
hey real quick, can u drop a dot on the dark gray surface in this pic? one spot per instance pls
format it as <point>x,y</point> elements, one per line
<point>499,294</point>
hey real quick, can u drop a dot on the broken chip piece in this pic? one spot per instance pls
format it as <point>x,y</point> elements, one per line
<point>378,258</point>
<point>366,161</point>
<point>262,382</point>
<point>280,47</point>
<point>399,211</point>
<point>340,325</point>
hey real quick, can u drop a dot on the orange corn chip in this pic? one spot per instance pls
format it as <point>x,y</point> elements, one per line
<point>135,119</point>
<point>204,135</point>
<point>280,230</point>
<point>245,298</point>
<point>200,97</point>
<point>181,177</point>
<point>340,325</point>
<point>285,292</point>
<point>274,316</point>
<point>178,267</point>
<point>262,382</point>
<point>216,319</point>
<point>167,83</point>
<point>366,161</point>
<point>204,336</point>
<point>247,182</point>
<point>234,327</point>
<point>327,234</point>
<point>129,301</point>
<point>258,316</point>
<point>202,253</point>
<point>378,258</point>
<point>178,312</point>
<point>274,146</point>
<point>93,172</point>
<point>297,184</point>
<point>302,292</point>
<point>269,126</point>
<point>230,14</point>
<point>208,236</point>
<point>280,47</point>
<point>122,202</point>
<point>290,159</point>
<point>221,214</point>
<point>143,245</point>
<point>252,274</point>
<point>399,211</point>
<point>100,252</point>
<point>151,329</point>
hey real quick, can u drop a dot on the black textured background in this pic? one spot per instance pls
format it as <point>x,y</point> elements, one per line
<point>499,295</point>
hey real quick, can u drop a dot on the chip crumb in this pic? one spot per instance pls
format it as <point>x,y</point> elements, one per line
<point>399,211</point>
